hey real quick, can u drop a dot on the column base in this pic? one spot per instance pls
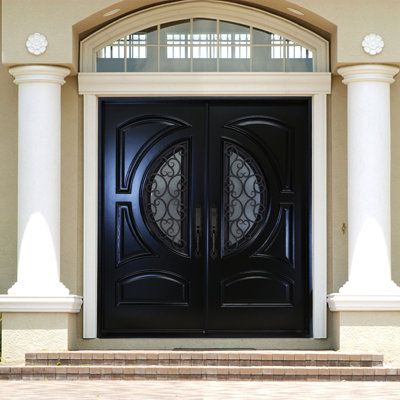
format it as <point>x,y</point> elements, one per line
<point>31,332</point>
<point>384,296</point>
<point>40,304</point>
<point>361,302</point>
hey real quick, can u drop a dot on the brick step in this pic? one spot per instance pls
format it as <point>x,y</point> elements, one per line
<point>163,372</point>
<point>205,358</point>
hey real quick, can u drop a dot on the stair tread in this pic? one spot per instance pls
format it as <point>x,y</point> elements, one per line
<point>211,351</point>
<point>221,352</point>
<point>204,358</point>
<point>219,372</point>
<point>194,367</point>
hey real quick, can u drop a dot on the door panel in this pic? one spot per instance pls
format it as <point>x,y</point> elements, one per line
<point>259,154</point>
<point>204,217</point>
<point>150,163</point>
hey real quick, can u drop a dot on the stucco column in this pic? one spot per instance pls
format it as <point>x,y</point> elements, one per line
<point>369,285</point>
<point>39,163</point>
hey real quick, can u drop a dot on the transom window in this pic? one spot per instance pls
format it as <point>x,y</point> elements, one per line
<point>204,45</point>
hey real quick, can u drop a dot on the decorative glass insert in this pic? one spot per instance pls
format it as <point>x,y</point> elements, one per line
<point>200,45</point>
<point>166,197</point>
<point>244,197</point>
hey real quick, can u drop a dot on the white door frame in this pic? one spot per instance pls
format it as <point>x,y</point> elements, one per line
<point>315,85</point>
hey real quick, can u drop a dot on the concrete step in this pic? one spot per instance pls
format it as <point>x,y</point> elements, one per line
<point>168,372</point>
<point>205,358</point>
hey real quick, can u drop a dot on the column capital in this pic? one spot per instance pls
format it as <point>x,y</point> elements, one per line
<point>39,73</point>
<point>368,72</point>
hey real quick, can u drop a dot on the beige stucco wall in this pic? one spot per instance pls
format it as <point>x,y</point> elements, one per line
<point>71,186</point>
<point>69,17</point>
<point>395,103</point>
<point>345,21</point>
<point>337,186</point>
<point>8,179</point>
<point>375,332</point>
<point>30,332</point>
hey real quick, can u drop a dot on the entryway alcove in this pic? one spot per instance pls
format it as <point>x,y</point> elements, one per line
<point>205,174</point>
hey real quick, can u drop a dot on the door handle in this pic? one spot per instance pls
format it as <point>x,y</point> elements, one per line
<point>198,232</point>
<point>214,228</point>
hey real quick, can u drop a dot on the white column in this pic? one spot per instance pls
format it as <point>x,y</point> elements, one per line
<point>39,163</point>
<point>369,285</point>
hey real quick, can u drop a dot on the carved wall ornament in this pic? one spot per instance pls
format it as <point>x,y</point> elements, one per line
<point>36,44</point>
<point>373,44</point>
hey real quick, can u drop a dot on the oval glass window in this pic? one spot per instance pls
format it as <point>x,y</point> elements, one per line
<point>245,198</point>
<point>165,198</point>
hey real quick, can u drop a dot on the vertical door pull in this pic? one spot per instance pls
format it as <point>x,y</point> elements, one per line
<point>214,227</point>
<point>198,231</point>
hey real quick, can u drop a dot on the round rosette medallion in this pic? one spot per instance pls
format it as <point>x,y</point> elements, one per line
<point>36,44</point>
<point>373,44</point>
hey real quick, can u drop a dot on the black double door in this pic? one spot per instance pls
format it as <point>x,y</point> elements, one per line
<point>204,217</point>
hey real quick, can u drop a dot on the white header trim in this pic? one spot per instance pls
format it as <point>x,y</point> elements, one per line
<point>205,84</point>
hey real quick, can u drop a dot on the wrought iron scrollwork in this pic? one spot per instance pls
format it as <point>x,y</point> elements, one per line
<point>166,197</point>
<point>244,197</point>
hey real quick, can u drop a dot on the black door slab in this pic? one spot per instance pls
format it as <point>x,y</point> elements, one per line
<point>259,185</point>
<point>204,217</point>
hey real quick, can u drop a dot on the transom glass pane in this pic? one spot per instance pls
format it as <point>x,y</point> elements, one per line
<point>203,45</point>
<point>141,48</point>
<point>261,37</point>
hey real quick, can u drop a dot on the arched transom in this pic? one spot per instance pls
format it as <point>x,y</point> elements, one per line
<point>203,36</point>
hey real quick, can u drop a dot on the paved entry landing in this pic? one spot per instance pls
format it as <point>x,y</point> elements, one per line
<point>194,390</point>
